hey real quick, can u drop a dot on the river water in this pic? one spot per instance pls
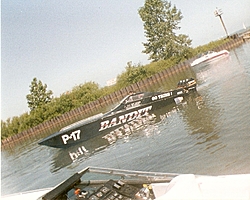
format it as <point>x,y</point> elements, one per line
<point>207,134</point>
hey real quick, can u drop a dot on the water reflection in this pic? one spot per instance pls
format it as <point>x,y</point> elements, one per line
<point>80,152</point>
<point>201,114</point>
<point>219,83</point>
<point>211,126</point>
<point>146,126</point>
<point>201,120</point>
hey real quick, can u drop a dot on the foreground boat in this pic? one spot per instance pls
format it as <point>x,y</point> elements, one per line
<point>133,107</point>
<point>127,184</point>
<point>209,56</point>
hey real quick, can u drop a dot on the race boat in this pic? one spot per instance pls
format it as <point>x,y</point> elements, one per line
<point>133,107</point>
<point>146,126</point>
<point>120,184</point>
<point>209,56</point>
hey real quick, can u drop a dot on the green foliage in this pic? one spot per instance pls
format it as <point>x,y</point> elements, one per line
<point>161,20</point>
<point>84,93</point>
<point>79,96</point>
<point>132,75</point>
<point>135,73</point>
<point>155,67</point>
<point>38,94</point>
<point>14,125</point>
<point>90,91</point>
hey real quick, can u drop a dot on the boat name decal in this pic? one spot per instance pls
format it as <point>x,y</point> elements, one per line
<point>124,118</point>
<point>180,92</point>
<point>161,96</point>
<point>75,135</point>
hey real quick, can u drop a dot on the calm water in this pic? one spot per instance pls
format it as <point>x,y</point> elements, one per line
<point>208,134</point>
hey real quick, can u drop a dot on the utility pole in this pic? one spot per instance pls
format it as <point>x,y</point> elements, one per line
<point>218,13</point>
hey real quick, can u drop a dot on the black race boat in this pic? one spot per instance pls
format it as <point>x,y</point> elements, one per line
<point>132,107</point>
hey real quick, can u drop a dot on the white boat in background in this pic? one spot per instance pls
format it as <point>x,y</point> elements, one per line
<point>244,26</point>
<point>127,185</point>
<point>209,56</point>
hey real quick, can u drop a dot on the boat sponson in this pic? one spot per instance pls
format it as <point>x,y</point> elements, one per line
<point>63,188</point>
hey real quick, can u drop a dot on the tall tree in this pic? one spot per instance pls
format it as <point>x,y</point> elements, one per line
<point>39,95</point>
<point>161,20</point>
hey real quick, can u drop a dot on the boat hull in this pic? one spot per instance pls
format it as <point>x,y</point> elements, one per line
<point>102,125</point>
<point>127,111</point>
<point>213,56</point>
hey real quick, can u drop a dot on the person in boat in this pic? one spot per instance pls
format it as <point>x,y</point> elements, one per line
<point>134,96</point>
<point>131,97</point>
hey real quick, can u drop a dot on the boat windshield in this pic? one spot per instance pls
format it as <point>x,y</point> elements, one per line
<point>128,100</point>
<point>133,97</point>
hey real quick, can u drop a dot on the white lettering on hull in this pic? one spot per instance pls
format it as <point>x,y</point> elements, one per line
<point>161,96</point>
<point>124,118</point>
<point>75,135</point>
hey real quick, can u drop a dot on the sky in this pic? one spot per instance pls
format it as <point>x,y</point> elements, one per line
<point>70,42</point>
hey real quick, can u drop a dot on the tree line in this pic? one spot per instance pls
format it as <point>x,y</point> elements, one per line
<point>164,47</point>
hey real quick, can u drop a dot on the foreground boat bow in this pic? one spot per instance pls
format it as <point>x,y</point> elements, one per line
<point>127,184</point>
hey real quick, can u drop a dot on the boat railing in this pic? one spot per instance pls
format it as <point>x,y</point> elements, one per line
<point>131,173</point>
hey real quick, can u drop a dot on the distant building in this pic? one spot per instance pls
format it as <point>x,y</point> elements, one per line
<point>111,82</point>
